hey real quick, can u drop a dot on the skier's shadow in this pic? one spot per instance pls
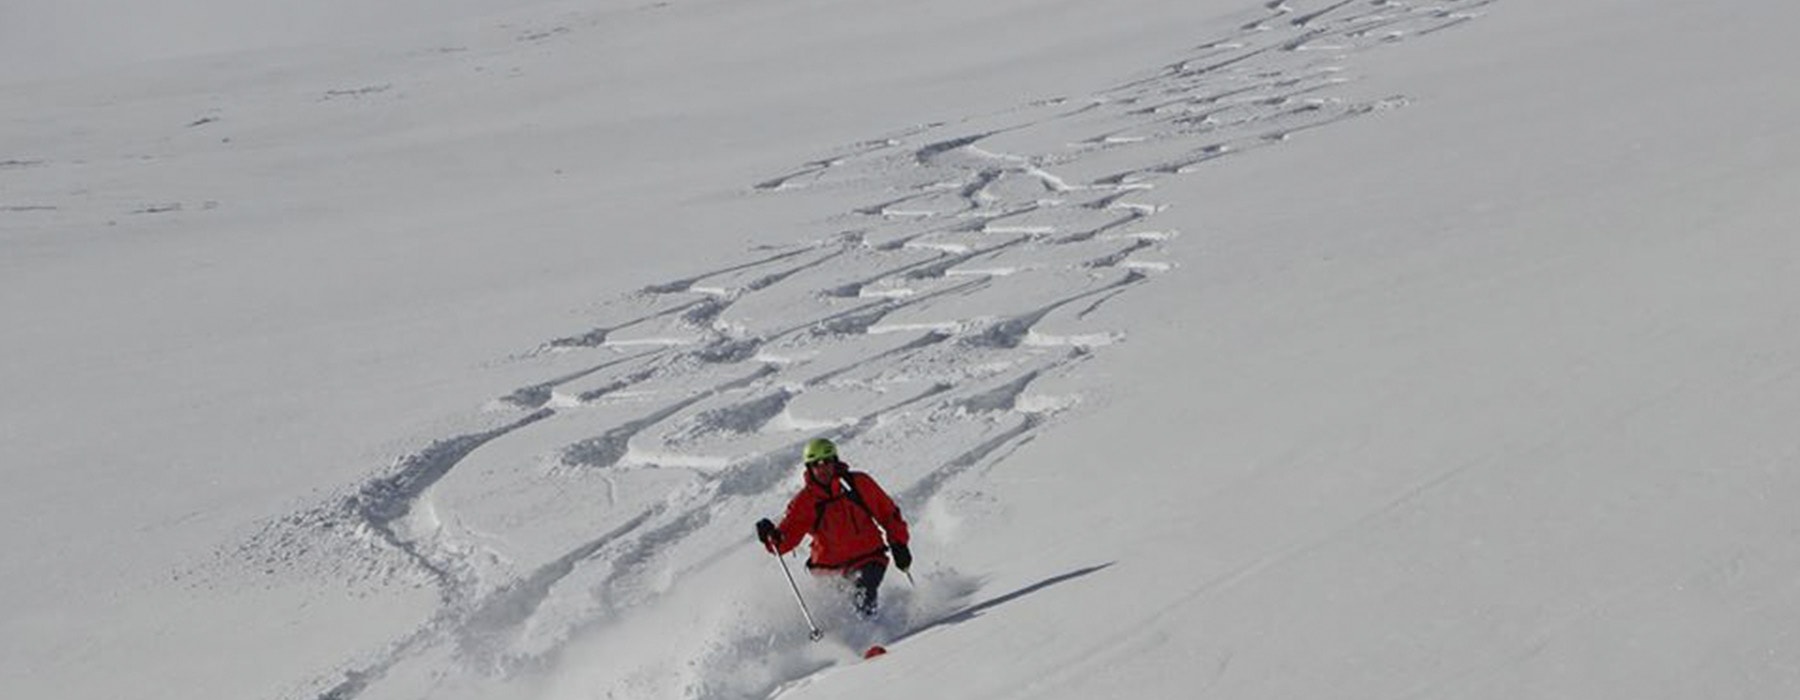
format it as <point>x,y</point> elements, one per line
<point>974,611</point>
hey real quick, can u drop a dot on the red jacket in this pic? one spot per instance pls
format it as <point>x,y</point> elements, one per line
<point>844,534</point>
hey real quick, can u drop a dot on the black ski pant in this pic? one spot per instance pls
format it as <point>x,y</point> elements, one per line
<point>867,582</point>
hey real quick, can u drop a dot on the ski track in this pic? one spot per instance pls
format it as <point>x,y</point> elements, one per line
<point>997,206</point>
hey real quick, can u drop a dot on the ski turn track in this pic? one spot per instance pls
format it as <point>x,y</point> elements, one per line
<point>926,326</point>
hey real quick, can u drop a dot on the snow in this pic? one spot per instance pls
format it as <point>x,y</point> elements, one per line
<point>1221,348</point>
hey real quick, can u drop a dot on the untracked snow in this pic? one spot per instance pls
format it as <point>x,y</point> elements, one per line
<point>1239,349</point>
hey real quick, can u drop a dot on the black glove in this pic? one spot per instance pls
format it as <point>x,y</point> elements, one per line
<point>768,534</point>
<point>902,556</point>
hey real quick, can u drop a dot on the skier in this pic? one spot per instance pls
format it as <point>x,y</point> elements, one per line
<point>841,510</point>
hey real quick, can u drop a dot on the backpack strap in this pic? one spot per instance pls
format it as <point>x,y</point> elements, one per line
<point>843,476</point>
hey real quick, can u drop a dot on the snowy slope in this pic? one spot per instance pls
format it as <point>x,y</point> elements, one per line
<point>1361,349</point>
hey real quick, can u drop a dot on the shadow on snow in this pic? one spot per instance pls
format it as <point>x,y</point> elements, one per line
<point>976,610</point>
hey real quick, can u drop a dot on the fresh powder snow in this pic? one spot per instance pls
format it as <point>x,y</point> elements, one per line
<point>1213,348</point>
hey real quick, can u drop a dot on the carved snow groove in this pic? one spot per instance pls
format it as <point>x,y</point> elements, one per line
<point>1308,18</point>
<point>682,285</point>
<point>491,619</point>
<point>938,268</point>
<point>740,418</point>
<point>922,490</point>
<point>1010,332</point>
<point>607,449</point>
<point>1114,259</point>
<point>999,399</point>
<point>536,395</point>
<point>598,336</point>
<point>817,169</point>
<point>383,501</point>
<point>926,155</point>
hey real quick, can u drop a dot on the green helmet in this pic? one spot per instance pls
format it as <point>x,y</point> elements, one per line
<point>818,449</point>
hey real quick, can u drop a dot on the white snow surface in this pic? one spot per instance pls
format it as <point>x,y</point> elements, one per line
<point>1214,348</point>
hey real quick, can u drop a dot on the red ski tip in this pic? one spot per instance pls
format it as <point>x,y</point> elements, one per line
<point>874,651</point>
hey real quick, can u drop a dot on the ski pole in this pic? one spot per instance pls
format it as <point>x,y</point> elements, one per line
<point>815,634</point>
